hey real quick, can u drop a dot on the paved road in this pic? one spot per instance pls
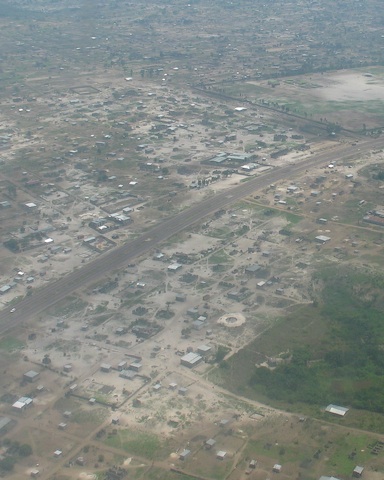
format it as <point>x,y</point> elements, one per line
<point>118,258</point>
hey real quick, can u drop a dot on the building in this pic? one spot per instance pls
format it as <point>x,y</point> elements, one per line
<point>336,410</point>
<point>127,374</point>
<point>5,289</point>
<point>276,468</point>
<point>174,267</point>
<point>322,239</point>
<point>358,471</point>
<point>191,359</point>
<point>136,366</point>
<point>324,477</point>
<point>221,454</point>
<point>22,404</point>
<point>203,350</point>
<point>30,206</point>
<point>198,325</point>
<point>252,269</point>
<point>184,454</point>
<point>6,424</point>
<point>183,391</point>
<point>122,365</point>
<point>31,376</point>
<point>105,367</point>
<point>211,442</point>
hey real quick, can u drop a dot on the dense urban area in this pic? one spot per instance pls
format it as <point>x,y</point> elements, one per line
<point>191,240</point>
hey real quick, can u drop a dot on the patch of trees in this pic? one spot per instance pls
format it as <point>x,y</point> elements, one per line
<point>350,370</point>
<point>379,175</point>
<point>14,451</point>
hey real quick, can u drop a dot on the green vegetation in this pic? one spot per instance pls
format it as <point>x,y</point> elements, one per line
<point>220,257</point>
<point>348,368</point>
<point>10,344</point>
<point>68,307</point>
<point>135,443</point>
<point>332,350</point>
<point>86,416</point>
<point>14,451</point>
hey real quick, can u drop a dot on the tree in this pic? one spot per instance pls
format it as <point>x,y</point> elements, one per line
<point>12,244</point>
<point>7,464</point>
<point>25,450</point>
<point>46,359</point>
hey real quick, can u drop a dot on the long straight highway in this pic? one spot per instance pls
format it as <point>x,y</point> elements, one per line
<point>49,295</point>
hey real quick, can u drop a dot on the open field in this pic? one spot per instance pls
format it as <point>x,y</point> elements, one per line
<point>352,99</point>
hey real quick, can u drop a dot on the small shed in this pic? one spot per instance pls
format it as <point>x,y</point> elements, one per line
<point>184,454</point>
<point>62,426</point>
<point>203,349</point>
<point>172,386</point>
<point>221,454</point>
<point>322,239</point>
<point>336,410</point>
<point>31,376</point>
<point>209,443</point>
<point>358,471</point>
<point>276,468</point>
<point>6,424</point>
<point>35,473</point>
<point>105,367</point>
<point>57,453</point>
<point>174,267</point>
<point>122,365</point>
<point>183,391</point>
<point>136,366</point>
<point>252,269</point>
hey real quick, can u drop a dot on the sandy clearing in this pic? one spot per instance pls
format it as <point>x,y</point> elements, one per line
<point>351,87</point>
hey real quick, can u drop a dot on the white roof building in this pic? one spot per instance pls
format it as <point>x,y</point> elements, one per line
<point>322,239</point>
<point>191,359</point>
<point>174,267</point>
<point>336,410</point>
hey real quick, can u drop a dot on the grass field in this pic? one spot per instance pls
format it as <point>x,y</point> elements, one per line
<point>145,445</point>
<point>10,344</point>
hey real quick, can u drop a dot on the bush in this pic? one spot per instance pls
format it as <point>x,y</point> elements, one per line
<point>7,464</point>
<point>25,450</point>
